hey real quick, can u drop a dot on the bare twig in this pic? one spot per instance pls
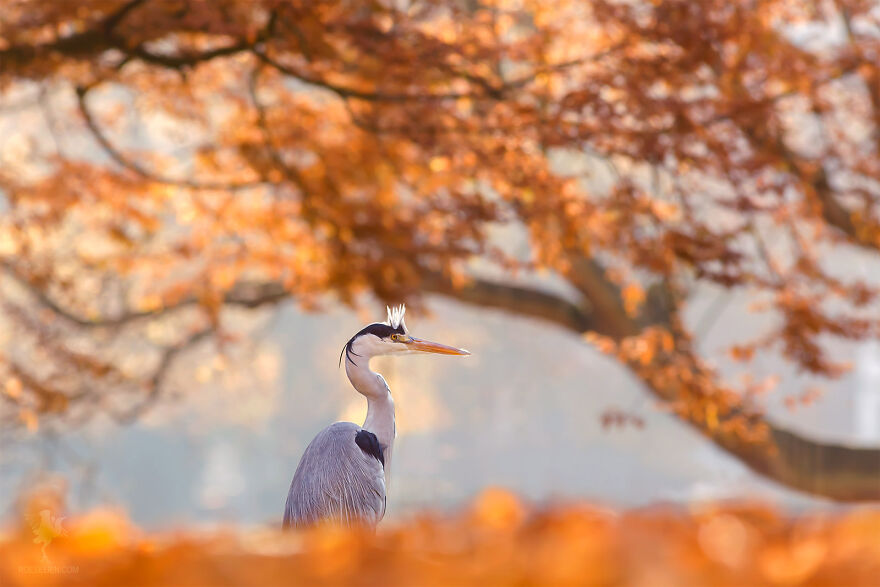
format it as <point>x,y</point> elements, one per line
<point>243,294</point>
<point>125,162</point>
<point>156,383</point>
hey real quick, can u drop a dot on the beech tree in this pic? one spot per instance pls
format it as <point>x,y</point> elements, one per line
<point>169,158</point>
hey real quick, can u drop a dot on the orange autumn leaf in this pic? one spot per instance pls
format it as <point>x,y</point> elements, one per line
<point>499,540</point>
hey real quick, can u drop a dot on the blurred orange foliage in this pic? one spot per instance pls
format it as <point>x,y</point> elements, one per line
<point>498,540</point>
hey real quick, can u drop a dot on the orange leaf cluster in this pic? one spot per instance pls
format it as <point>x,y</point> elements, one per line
<point>498,540</point>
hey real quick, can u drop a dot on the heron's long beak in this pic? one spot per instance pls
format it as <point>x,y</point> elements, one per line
<point>426,346</point>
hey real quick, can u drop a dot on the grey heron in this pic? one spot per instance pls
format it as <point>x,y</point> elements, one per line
<point>341,476</point>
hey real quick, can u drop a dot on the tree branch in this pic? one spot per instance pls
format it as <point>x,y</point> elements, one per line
<point>522,301</point>
<point>188,58</point>
<point>243,294</point>
<point>833,212</point>
<point>346,93</point>
<point>117,156</point>
<point>87,42</point>
<point>102,37</point>
<point>157,380</point>
<point>589,278</point>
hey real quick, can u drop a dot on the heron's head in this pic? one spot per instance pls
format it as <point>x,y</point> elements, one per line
<point>391,338</point>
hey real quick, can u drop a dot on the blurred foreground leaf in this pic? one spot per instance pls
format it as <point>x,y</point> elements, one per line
<point>498,540</point>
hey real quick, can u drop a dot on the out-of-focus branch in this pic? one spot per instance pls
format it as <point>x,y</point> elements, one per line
<point>187,58</point>
<point>125,162</point>
<point>89,42</point>
<point>290,172</point>
<point>102,37</point>
<point>345,92</point>
<point>155,385</point>
<point>833,212</point>
<point>589,278</point>
<point>243,294</point>
<point>522,301</point>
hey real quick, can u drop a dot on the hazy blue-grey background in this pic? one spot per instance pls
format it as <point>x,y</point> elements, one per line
<point>522,412</point>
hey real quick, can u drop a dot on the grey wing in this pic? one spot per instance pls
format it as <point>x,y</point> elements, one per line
<point>336,480</point>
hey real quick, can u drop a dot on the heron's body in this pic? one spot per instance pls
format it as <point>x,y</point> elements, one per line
<point>343,473</point>
<point>336,480</point>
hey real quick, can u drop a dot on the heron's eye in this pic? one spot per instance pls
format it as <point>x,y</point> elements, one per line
<point>396,338</point>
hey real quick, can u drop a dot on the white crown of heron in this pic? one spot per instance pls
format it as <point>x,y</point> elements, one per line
<point>395,316</point>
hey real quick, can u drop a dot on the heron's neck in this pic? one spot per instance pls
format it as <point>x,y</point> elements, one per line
<point>380,406</point>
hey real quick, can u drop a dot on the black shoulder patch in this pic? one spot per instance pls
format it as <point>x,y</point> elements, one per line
<point>368,443</point>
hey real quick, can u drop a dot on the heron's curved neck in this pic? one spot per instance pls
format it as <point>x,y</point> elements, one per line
<point>380,405</point>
